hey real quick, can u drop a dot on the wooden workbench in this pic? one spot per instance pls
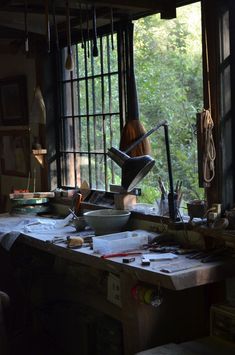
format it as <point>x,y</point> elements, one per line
<point>191,273</point>
<point>182,315</point>
<point>187,294</point>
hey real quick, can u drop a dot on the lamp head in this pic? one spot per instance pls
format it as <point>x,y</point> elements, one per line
<point>133,169</point>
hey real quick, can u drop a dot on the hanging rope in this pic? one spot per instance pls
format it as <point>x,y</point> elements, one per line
<point>209,153</point>
<point>207,124</point>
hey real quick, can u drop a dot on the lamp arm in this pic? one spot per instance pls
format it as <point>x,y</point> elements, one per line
<point>172,195</point>
<point>139,140</point>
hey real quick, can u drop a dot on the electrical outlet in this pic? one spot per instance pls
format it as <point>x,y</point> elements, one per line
<point>114,290</point>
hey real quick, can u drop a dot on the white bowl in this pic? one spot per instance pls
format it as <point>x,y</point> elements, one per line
<point>107,221</point>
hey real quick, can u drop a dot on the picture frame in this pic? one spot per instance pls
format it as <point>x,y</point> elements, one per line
<point>13,101</point>
<point>15,152</point>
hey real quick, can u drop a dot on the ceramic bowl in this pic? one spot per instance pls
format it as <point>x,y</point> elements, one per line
<point>107,221</point>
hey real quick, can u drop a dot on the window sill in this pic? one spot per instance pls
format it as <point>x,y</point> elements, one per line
<point>227,236</point>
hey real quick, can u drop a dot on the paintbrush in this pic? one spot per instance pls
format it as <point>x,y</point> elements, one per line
<point>133,128</point>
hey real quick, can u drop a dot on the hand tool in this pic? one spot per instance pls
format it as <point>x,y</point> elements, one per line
<point>74,215</point>
<point>81,29</point>
<point>69,59</point>
<point>55,27</point>
<point>111,22</point>
<point>114,255</point>
<point>56,240</point>
<point>95,51</point>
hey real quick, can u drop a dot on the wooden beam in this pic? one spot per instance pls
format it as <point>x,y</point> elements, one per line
<point>100,12</point>
<point>38,9</point>
<point>130,4</point>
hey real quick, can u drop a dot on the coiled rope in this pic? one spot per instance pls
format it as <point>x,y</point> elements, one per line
<point>209,153</point>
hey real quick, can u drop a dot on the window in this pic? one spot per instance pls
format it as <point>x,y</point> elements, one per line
<point>92,107</point>
<point>168,63</point>
<point>93,101</point>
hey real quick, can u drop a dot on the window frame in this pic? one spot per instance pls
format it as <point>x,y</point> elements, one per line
<point>211,14</point>
<point>120,31</point>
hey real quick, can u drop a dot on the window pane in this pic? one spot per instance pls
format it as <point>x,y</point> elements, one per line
<point>82,166</point>
<point>168,68</point>
<point>83,134</point>
<point>67,165</point>
<point>81,61</point>
<point>96,134</point>
<point>97,171</point>
<point>87,127</point>
<point>68,134</point>
<point>98,95</point>
<point>67,100</point>
<point>82,97</point>
<point>76,102</point>
<point>226,36</point>
<point>113,55</point>
<point>114,104</point>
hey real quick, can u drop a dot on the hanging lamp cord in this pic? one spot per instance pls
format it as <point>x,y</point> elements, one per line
<point>209,155</point>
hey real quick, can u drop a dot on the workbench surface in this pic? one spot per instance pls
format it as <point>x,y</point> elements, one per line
<point>88,276</point>
<point>182,272</point>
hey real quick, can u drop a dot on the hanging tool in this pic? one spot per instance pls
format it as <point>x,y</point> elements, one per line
<point>133,128</point>
<point>26,26</point>
<point>69,59</point>
<point>111,22</point>
<point>47,23</point>
<point>87,28</point>
<point>209,154</point>
<point>55,28</point>
<point>205,124</point>
<point>95,51</point>
<point>81,30</point>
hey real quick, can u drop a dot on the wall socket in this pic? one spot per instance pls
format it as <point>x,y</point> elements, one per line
<point>114,290</point>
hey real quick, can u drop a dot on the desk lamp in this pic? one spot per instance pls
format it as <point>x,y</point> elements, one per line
<point>136,168</point>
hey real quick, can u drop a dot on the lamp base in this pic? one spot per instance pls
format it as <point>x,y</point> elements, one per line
<point>124,201</point>
<point>173,208</point>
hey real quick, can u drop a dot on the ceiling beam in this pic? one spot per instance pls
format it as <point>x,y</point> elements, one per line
<point>39,10</point>
<point>130,4</point>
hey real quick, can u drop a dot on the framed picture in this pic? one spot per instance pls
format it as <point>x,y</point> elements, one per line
<point>15,152</point>
<point>13,101</point>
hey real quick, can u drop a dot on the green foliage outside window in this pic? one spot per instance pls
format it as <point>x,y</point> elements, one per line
<point>168,69</point>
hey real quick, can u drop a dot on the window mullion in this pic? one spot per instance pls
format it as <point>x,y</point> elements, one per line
<point>87,43</point>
